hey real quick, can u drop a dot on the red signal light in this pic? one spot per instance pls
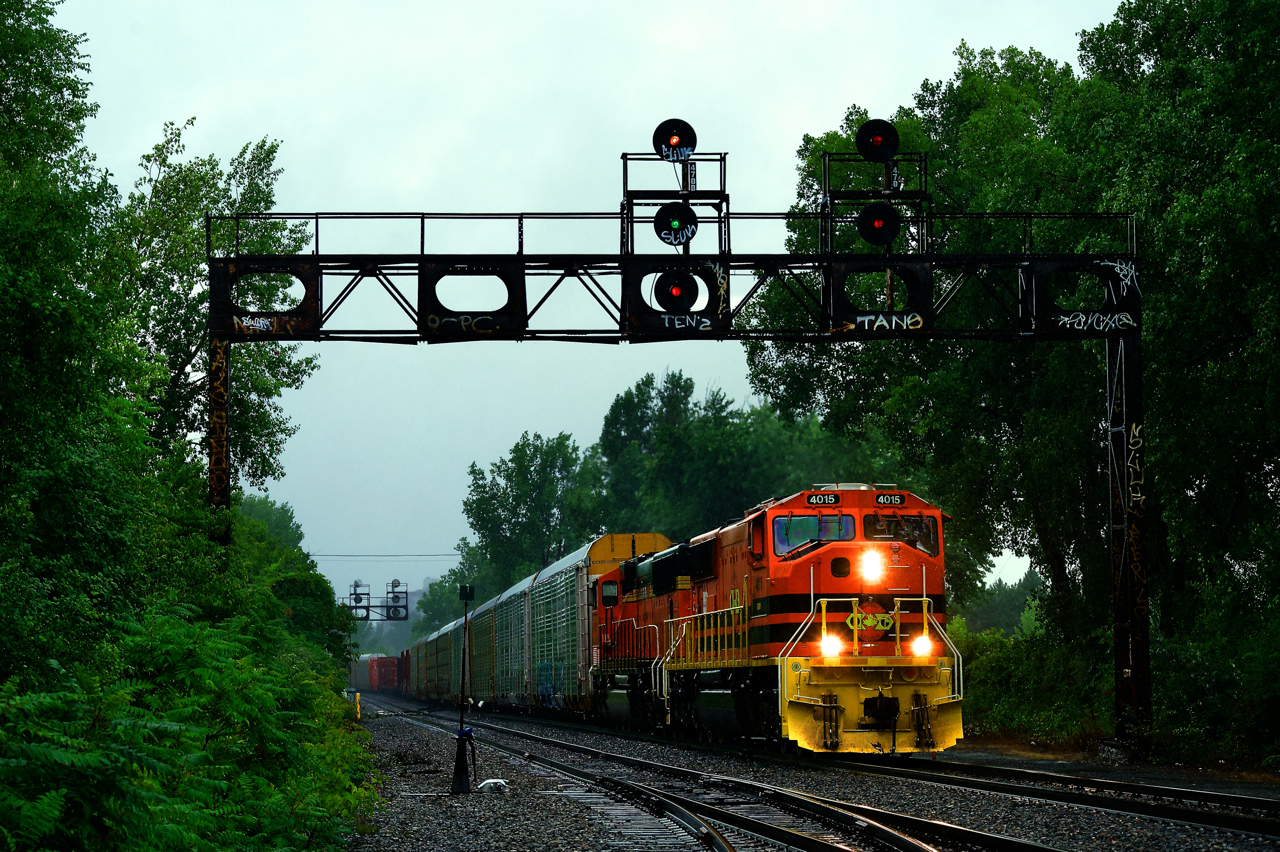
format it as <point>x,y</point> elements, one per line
<point>674,140</point>
<point>876,141</point>
<point>878,223</point>
<point>675,291</point>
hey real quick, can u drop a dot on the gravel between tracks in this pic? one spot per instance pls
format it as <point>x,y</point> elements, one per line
<point>531,816</point>
<point>1064,826</point>
<point>421,815</point>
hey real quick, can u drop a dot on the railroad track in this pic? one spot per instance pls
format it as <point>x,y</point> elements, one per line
<point>725,812</point>
<point>1199,808</point>
<point>1246,814</point>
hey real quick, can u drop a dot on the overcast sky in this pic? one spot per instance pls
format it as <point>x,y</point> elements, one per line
<point>501,107</point>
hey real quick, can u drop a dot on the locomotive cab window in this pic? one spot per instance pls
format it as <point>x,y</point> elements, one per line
<point>918,531</point>
<point>792,531</point>
<point>609,593</point>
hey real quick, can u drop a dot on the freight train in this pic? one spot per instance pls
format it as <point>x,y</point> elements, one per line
<point>817,621</point>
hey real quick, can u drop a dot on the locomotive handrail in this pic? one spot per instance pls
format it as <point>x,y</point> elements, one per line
<point>637,630</point>
<point>658,671</point>
<point>926,606</point>
<point>730,618</point>
<point>958,685</point>
<point>808,619</point>
<point>795,640</point>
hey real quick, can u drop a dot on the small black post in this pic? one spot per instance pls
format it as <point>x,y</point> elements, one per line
<point>461,778</point>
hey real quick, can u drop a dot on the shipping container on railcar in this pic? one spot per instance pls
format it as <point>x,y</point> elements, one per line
<point>816,619</point>
<point>384,674</point>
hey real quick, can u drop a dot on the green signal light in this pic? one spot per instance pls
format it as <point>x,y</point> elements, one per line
<point>675,223</point>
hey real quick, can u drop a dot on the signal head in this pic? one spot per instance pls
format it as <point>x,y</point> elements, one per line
<point>876,140</point>
<point>674,140</point>
<point>675,223</point>
<point>879,223</point>
<point>676,291</point>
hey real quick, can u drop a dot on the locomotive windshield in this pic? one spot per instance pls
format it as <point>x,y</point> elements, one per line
<point>918,531</point>
<point>795,530</point>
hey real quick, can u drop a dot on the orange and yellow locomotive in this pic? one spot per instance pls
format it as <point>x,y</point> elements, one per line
<point>818,619</point>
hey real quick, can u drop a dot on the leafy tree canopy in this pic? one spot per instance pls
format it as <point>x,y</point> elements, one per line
<point>156,691</point>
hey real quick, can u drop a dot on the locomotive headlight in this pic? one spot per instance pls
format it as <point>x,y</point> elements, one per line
<point>872,566</point>
<point>831,646</point>
<point>922,647</point>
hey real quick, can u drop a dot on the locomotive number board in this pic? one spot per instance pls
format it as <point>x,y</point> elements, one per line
<point>826,499</point>
<point>891,499</point>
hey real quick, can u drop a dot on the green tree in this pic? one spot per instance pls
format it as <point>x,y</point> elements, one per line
<point>1007,433</point>
<point>71,518</point>
<point>161,231</point>
<point>1194,152</point>
<point>277,517</point>
<point>155,691</point>
<point>1001,605</point>
<point>531,508</point>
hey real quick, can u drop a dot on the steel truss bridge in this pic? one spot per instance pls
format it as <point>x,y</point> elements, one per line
<point>1019,290</point>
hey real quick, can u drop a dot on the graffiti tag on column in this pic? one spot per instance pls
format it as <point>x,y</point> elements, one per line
<point>689,321</point>
<point>248,325</point>
<point>218,416</point>
<point>885,322</point>
<point>280,324</point>
<point>1081,321</point>
<point>1127,272</point>
<point>1137,570</point>
<point>722,287</point>
<point>464,323</point>
<point>1137,471</point>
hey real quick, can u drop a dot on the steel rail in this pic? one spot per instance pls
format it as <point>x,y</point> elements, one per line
<point>663,804</point>
<point>1190,816</point>
<point>696,813</point>
<point>845,814</point>
<point>1245,823</point>
<point>1184,794</point>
